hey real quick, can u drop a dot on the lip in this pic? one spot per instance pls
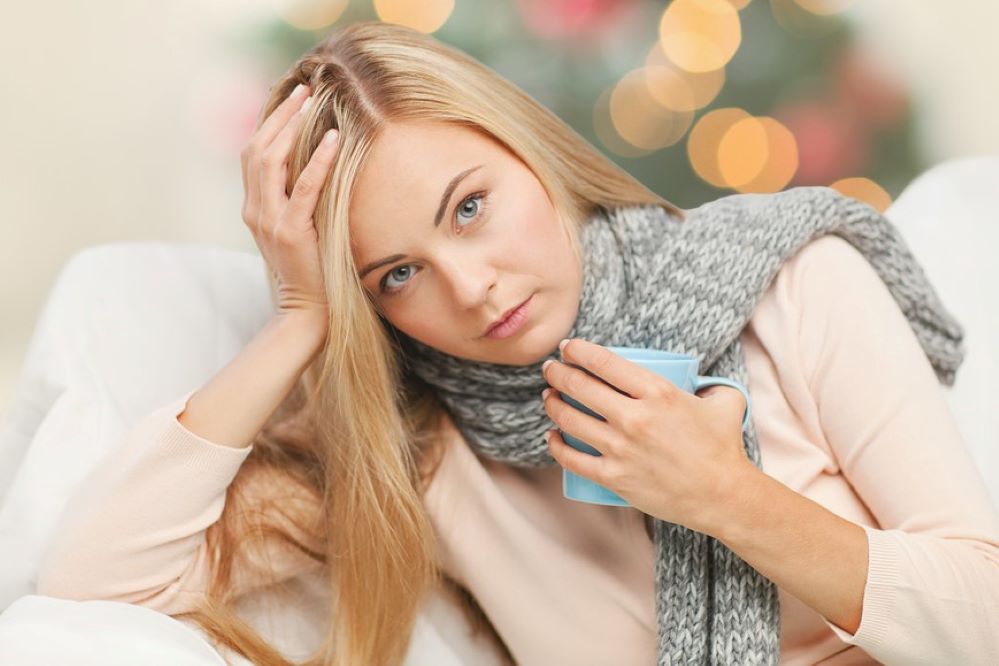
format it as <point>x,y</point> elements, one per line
<point>518,312</point>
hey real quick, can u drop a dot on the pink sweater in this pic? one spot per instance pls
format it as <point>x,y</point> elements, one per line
<point>848,413</point>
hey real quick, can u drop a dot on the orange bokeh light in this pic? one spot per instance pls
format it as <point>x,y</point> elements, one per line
<point>777,162</point>
<point>825,7</point>
<point>676,88</point>
<point>605,131</point>
<point>865,190</point>
<point>425,16</point>
<point>700,35</point>
<point>639,119</point>
<point>729,148</point>
<point>309,14</point>
<point>704,141</point>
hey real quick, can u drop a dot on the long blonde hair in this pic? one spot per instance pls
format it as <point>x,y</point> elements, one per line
<point>356,443</point>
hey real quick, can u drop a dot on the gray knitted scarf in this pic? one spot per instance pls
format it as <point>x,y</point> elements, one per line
<point>653,280</point>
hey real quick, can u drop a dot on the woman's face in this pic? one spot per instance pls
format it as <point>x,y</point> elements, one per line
<point>449,231</point>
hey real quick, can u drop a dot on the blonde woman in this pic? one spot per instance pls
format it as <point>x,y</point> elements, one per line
<point>433,234</point>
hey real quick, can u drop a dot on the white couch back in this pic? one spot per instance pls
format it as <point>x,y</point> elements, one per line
<point>950,218</point>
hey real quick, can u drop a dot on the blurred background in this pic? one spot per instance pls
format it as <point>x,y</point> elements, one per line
<point>124,120</point>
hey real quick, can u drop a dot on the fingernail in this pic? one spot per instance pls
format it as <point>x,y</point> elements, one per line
<point>330,137</point>
<point>306,104</point>
<point>299,88</point>
<point>545,393</point>
<point>561,345</point>
<point>544,366</point>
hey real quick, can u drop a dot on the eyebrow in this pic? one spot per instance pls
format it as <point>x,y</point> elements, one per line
<point>445,199</point>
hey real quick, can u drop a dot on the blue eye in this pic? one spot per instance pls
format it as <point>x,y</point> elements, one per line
<point>392,272</point>
<point>477,212</point>
<point>462,206</point>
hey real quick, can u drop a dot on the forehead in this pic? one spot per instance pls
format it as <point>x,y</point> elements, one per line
<point>407,169</point>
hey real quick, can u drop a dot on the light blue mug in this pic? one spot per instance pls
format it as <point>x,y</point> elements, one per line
<point>680,369</point>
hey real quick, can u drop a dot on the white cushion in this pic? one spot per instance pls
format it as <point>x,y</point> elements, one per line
<point>40,631</point>
<point>949,218</point>
<point>125,328</point>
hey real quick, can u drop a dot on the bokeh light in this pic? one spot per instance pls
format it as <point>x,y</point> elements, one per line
<point>825,7</point>
<point>797,20</point>
<point>865,190</point>
<point>604,128</point>
<point>829,145</point>
<point>679,89</point>
<point>757,154</point>
<point>309,14</point>
<point>640,119</point>
<point>705,139</point>
<point>700,35</point>
<point>425,16</point>
<point>871,94</point>
<point>742,152</point>
<point>576,19</point>
<point>223,103</point>
<point>730,148</point>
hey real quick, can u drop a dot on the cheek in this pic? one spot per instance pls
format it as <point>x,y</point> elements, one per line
<point>534,238</point>
<point>424,329</point>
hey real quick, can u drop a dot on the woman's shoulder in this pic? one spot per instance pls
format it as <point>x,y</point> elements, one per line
<point>828,271</point>
<point>821,291</point>
<point>824,280</point>
<point>828,256</point>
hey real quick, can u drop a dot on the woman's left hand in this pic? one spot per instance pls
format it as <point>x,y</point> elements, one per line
<point>671,454</point>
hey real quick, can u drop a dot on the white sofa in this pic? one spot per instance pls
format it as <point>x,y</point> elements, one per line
<point>121,314</point>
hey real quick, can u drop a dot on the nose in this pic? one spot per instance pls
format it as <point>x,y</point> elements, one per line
<point>469,279</point>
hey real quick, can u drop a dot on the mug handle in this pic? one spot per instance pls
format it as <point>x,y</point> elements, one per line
<point>703,382</point>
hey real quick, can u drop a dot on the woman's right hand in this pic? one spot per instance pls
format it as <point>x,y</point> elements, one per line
<point>283,226</point>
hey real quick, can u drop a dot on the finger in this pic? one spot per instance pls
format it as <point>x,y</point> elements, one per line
<point>280,116</point>
<point>261,139</point>
<point>310,182</point>
<point>729,400</point>
<point>249,185</point>
<point>588,390</point>
<point>633,379</point>
<point>242,166</point>
<point>577,423</point>
<point>274,166</point>
<point>583,464</point>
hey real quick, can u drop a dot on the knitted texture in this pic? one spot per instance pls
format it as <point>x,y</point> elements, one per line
<point>653,280</point>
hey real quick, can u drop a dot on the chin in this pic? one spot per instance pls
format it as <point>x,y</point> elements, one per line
<point>531,350</point>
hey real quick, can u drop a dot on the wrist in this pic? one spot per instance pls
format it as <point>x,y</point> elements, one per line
<point>743,484</point>
<point>307,328</point>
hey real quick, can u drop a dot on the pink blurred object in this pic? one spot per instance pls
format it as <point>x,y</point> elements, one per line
<point>866,93</point>
<point>829,146</point>
<point>223,106</point>
<point>557,19</point>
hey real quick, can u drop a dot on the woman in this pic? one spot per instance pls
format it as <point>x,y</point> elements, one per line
<point>385,426</point>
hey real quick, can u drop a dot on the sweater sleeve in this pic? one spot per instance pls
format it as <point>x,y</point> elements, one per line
<point>932,590</point>
<point>134,531</point>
